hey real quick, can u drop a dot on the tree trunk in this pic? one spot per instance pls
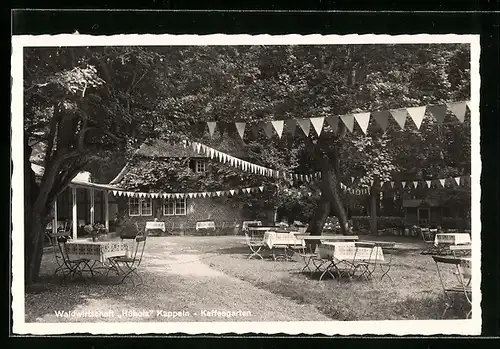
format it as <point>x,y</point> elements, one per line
<point>331,187</point>
<point>319,217</point>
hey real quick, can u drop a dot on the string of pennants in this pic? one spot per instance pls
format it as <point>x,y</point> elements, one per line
<point>439,111</point>
<point>248,166</point>
<point>437,183</point>
<point>204,194</point>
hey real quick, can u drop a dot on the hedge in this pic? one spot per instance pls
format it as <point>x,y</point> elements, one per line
<point>455,223</point>
<point>363,222</point>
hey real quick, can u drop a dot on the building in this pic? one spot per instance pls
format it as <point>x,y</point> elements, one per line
<point>164,167</point>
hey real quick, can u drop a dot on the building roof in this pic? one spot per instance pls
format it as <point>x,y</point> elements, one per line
<point>162,149</point>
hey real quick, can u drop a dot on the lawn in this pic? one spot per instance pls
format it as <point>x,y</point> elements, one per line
<point>193,273</point>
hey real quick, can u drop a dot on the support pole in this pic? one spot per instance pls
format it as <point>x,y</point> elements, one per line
<point>75,214</point>
<point>106,210</point>
<point>92,206</point>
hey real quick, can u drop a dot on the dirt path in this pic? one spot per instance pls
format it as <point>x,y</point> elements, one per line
<point>178,286</point>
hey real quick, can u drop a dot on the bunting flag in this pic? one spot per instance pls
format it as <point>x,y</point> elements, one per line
<point>240,126</point>
<point>417,115</point>
<point>428,183</point>
<point>318,124</point>
<point>382,118</point>
<point>333,122</point>
<point>268,129</point>
<point>404,184</point>
<point>305,125</point>
<point>363,119</point>
<point>278,127</point>
<point>457,179</point>
<point>392,184</point>
<point>443,182</point>
<point>291,125</point>
<point>400,116</point>
<point>348,121</point>
<point>211,127</point>
<point>203,194</point>
<point>458,109</point>
<point>438,112</point>
<point>415,184</point>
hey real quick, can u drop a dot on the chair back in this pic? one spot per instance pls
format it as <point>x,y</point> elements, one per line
<point>140,244</point>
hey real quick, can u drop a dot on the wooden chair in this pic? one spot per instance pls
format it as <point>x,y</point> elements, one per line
<point>464,278</point>
<point>128,265</point>
<point>69,267</point>
<point>255,246</point>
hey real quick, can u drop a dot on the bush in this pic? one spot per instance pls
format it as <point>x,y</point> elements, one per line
<point>455,223</point>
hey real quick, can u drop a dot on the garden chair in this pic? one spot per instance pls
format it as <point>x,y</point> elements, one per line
<point>255,246</point>
<point>463,276</point>
<point>385,265</point>
<point>461,250</point>
<point>127,265</point>
<point>69,267</point>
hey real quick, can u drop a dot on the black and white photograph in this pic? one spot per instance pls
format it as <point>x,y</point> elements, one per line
<point>246,184</point>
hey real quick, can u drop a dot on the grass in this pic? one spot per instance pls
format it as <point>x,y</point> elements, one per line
<point>193,273</point>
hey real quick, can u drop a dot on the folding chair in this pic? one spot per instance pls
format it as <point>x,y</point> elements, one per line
<point>127,265</point>
<point>463,276</point>
<point>255,246</point>
<point>70,267</point>
<point>385,265</point>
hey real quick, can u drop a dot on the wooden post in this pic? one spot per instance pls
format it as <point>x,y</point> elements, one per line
<point>54,219</point>
<point>75,213</point>
<point>92,206</point>
<point>106,210</point>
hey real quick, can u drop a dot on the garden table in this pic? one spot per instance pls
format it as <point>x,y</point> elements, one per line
<point>452,239</point>
<point>282,240</point>
<point>97,252</point>
<point>353,255</point>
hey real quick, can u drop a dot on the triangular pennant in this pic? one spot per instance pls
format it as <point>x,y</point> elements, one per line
<point>261,188</point>
<point>458,109</point>
<point>392,184</point>
<point>318,124</point>
<point>218,193</point>
<point>222,128</point>
<point>291,125</point>
<point>255,130</point>
<point>211,127</point>
<point>443,182</point>
<point>190,195</point>
<point>417,115</point>
<point>363,119</point>
<point>457,179</point>
<point>400,116</point>
<point>468,105</point>
<point>415,184</point>
<point>428,183</point>
<point>305,125</point>
<point>382,118</point>
<point>115,192</point>
<point>231,191</point>
<point>204,194</point>
<point>371,182</point>
<point>278,127</point>
<point>333,121</point>
<point>240,126</point>
<point>352,179</point>
<point>404,184</point>
<point>348,121</point>
<point>438,112</point>
<point>268,129</point>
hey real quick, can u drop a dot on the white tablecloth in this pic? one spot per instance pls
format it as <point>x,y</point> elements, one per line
<point>348,251</point>
<point>272,238</point>
<point>99,250</point>
<point>452,239</point>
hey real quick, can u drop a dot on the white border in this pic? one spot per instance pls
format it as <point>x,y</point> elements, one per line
<point>395,327</point>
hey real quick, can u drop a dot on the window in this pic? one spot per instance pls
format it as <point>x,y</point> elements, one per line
<point>172,207</point>
<point>199,166</point>
<point>140,207</point>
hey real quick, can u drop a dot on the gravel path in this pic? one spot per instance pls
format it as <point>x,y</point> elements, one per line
<point>178,286</point>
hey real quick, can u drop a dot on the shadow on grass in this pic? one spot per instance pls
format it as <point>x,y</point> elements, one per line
<point>424,308</point>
